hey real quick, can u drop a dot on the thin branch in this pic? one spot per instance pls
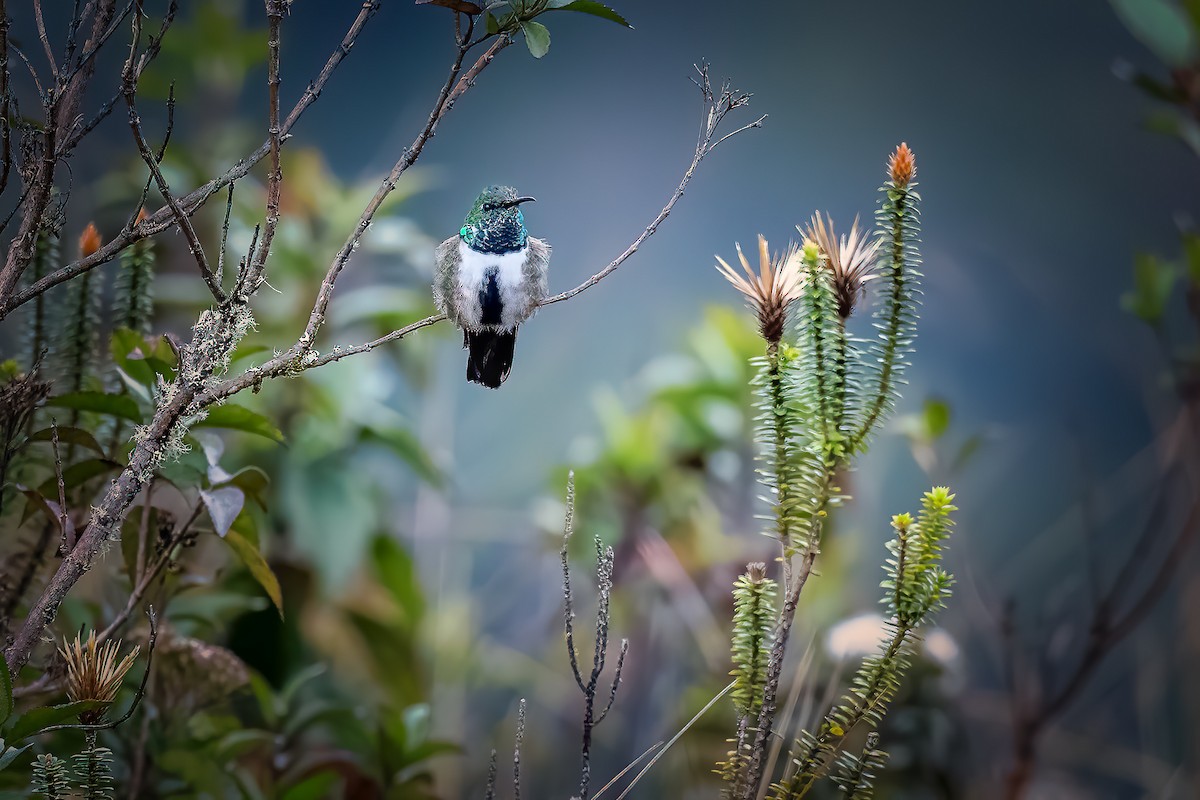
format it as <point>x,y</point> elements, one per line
<point>194,200</point>
<point>64,542</point>
<point>129,90</point>
<point>249,280</point>
<point>446,100</point>
<point>616,681</point>
<point>150,574</point>
<point>5,127</point>
<point>45,39</point>
<point>716,110</point>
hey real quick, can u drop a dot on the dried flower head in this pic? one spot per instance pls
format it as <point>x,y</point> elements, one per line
<point>851,259</point>
<point>89,240</point>
<point>94,673</point>
<point>902,166</point>
<point>769,291</point>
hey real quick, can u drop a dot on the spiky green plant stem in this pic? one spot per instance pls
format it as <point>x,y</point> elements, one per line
<point>134,307</point>
<point>50,777</point>
<point>916,585</point>
<point>856,773</point>
<point>93,767</point>
<point>899,215</point>
<point>753,621</point>
<point>45,256</point>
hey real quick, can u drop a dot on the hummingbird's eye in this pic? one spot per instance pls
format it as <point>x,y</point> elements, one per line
<point>488,206</point>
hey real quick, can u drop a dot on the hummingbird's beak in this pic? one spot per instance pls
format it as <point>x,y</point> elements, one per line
<point>518,200</point>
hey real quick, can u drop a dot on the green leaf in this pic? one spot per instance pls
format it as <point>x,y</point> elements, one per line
<point>1160,25</point>
<point>493,26</point>
<point>6,695</point>
<point>78,473</point>
<point>69,435</point>
<point>405,444</point>
<point>936,416</point>
<point>9,755</point>
<point>537,38</point>
<point>223,506</point>
<point>143,359</point>
<point>589,7</point>
<point>394,569</point>
<point>37,719</point>
<point>313,787</point>
<point>253,481</point>
<point>113,405</point>
<point>258,566</point>
<point>1153,281</point>
<point>240,418</point>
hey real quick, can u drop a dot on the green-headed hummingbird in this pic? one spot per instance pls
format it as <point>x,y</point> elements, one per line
<point>488,279</point>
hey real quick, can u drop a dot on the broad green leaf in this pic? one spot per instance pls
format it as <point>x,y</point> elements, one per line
<point>6,694</point>
<point>113,405</point>
<point>493,25</point>
<point>78,473</point>
<point>537,38</point>
<point>9,755</point>
<point>38,719</point>
<point>68,435</point>
<point>258,566</point>
<point>313,787</point>
<point>143,359</point>
<point>223,506</point>
<point>588,7</point>
<point>1160,25</point>
<point>36,502</point>
<point>240,418</point>
<point>393,568</point>
<point>253,481</point>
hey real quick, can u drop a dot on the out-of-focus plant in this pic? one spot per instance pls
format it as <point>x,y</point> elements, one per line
<point>1165,295</point>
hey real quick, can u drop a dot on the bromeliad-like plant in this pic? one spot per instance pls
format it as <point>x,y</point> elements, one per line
<point>823,393</point>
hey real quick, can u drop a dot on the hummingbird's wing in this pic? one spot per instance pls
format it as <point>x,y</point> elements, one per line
<point>535,269</point>
<point>446,261</point>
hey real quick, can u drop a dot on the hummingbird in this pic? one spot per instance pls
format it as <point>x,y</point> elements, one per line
<point>488,279</point>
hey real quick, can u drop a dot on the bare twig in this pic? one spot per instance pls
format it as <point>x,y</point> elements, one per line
<point>194,200</point>
<point>251,275</point>
<point>151,159</point>
<point>41,27</point>
<point>64,543</point>
<point>149,575</point>
<point>717,108</point>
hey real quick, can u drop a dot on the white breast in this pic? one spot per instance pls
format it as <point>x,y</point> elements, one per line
<point>509,279</point>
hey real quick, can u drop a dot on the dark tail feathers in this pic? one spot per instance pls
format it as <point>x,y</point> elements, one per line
<point>490,356</point>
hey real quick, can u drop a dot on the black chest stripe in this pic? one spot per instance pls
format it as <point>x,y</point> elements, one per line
<point>490,304</point>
